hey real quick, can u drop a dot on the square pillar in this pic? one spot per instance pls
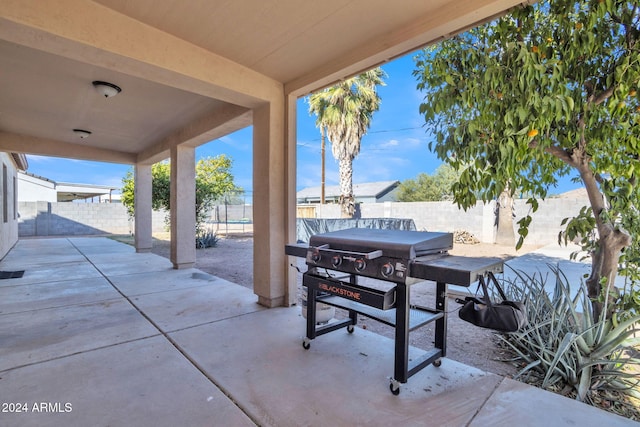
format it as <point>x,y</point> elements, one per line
<point>183,207</point>
<point>143,208</point>
<point>291,294</point>
<point>269,204</point>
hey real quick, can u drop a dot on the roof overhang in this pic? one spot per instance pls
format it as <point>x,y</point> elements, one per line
<point>190,71</point>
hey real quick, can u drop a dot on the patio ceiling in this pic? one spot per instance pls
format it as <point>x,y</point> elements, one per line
<point>51,52</point>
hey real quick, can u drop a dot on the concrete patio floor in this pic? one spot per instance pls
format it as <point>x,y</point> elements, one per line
<point>94,334</point>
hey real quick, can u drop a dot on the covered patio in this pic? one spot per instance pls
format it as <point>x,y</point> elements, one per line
<point>191,72</point>
<point>96,334</point>
<point>100,333</point>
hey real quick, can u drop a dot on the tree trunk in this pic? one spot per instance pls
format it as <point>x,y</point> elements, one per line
<point>322,155</point>
<point>604,265</point>
<point>347,202</point>
<point>611,241</point>
<point>505,234</point>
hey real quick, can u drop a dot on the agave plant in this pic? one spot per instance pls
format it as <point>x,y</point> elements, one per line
<point>206,239</point>
<point>565,347</point>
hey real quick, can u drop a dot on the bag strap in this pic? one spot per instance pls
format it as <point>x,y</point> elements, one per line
<point>485,296</point>
<point>497,285</point>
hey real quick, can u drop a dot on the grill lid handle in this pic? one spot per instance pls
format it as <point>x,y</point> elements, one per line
<point>366,255</point>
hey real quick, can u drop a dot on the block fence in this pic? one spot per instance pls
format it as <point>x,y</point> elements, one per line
<point>480,220</point>
<point>62,219</point>
<point>74,219</point>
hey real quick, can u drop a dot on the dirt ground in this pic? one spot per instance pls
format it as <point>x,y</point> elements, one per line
<point>232,259</point>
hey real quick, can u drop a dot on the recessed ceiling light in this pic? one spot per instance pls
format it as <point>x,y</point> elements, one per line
<point>82,133</point>
<point>106,89</point>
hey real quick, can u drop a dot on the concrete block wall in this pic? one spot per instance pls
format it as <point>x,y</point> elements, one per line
<point>73,219</point>
<point>60,219</point>
<point>545,226</point>
<point>480,220</point>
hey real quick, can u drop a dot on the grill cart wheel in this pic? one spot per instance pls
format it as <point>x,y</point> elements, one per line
<point>437,363</point>
<point>350,329</point>
<point>306,343</point>
<point>394,386</point>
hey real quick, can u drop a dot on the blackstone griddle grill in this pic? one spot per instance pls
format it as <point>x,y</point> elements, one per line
<point>337,259</point>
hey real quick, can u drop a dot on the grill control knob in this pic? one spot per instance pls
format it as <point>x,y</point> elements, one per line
<point>360,264</point>
<point>387,269</point>
<point>315,256</point>
<point>336,260</point>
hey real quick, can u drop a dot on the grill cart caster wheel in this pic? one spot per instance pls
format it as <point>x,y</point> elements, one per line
<point>437,363</point>
<point>350,328</point>
<point>306,343</point>
<point>394,386</point>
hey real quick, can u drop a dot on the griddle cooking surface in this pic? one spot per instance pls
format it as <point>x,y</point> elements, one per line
<point>393,243</point>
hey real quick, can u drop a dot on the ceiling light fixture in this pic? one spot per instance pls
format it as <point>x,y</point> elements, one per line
<point>82,133</point>
<point>106,89</point>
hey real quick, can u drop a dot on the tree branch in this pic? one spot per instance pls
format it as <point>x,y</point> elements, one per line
<point>557,152</point>
<point>602,96</point>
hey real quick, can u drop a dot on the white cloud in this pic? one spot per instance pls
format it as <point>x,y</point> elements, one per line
<point>33,158</point>
<point>389,144</point>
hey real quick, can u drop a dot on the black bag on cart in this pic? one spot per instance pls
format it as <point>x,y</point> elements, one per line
<point>506,316</point>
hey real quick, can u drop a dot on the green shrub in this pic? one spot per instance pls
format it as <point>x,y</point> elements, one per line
<point>565,349</point>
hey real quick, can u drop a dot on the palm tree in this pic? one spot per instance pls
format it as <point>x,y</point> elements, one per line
<point>344,114</point>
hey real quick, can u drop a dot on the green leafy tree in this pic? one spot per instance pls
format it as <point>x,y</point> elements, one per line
<point>429,188</point>
<point>549,89</point>
<point>213,179</point>
<point>344,113</point>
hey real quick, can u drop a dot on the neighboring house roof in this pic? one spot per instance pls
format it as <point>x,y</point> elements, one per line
<point>65,191</point>
<point>20,161</point>
<point>363,190</point>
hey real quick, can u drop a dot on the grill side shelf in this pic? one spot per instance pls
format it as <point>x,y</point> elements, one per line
<point>454,270</point>
<point>296,249</point>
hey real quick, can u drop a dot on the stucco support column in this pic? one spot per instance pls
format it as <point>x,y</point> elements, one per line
<point>143,211</point>
<point>183,207</point>
<point>290,201</point>
<point>269,204</point>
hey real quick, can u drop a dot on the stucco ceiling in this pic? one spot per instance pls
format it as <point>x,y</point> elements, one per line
<point>48,59</point>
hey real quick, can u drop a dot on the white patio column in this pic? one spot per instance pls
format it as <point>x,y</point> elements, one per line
<point>269,204</point>
<point>143,212</point>
<point>183,207</point>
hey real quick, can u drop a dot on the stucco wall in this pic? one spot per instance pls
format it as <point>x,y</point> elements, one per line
<point>8,214</point>
<point>73,219</point>
<point>32,189</point>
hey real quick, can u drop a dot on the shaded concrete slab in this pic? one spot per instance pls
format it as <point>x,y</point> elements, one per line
<point>143,383</point>
<point>100,358</point>
<point>15,299</point>
<point>52,272</point>
<point>118,264</point>
<point>27,262</point>
<point>50,246</point>
<point>100,245</point>
<point>39,335</point>
<point>516,403</point>
<point>183,308</point>
<point>168,280</point>
<point>342,380</point>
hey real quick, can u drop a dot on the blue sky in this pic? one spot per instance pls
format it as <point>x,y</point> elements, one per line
<point>395,148</point>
